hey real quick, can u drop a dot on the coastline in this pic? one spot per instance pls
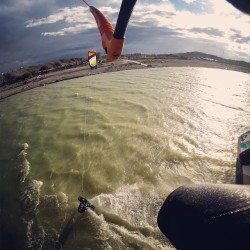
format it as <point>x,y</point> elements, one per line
<point>106,67</point>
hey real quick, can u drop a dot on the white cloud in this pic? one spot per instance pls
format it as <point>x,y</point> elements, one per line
<point>218,26</point>
<point>50,19</point>
<point>69,15</point>
<point>189,1</point>
<point>69,30</point>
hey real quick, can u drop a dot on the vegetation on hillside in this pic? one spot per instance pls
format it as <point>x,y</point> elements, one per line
<point>23,74</point>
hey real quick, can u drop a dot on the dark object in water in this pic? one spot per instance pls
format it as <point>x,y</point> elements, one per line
<point>207,216</point>
<point>84,205</point>
<point>243,159</point>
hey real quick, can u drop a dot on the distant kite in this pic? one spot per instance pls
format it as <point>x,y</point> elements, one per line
<point>113,40</point>
<point>92,59</point>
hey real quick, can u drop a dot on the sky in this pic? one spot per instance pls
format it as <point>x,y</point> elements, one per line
<point>36,32</point>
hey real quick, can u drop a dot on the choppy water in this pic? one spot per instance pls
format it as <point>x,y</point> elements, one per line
<point>124,140</point>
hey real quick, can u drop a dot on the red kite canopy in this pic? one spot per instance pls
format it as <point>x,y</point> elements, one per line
<point>113,40</point>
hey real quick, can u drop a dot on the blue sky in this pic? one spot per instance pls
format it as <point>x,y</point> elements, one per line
<point>34,32</point>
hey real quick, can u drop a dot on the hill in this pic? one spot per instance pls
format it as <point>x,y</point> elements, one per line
<point>23,74</point>
<point>24,79</point>
<point>203,56</point>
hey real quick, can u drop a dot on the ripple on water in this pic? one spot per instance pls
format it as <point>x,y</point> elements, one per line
<point>125,140</point>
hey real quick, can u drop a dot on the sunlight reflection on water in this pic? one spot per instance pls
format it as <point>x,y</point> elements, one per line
<point>129,136</point>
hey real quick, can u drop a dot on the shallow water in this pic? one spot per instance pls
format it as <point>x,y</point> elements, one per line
<point>124,140</point>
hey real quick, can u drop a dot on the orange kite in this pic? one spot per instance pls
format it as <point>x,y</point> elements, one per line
<point>113,40</point>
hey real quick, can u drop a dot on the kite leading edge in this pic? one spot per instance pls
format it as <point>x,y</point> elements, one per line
<point>113,40</point>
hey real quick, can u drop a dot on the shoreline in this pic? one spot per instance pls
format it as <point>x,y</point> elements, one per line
<point>107,67</point>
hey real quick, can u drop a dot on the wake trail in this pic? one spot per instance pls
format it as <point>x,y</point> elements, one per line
<point>227,106</point>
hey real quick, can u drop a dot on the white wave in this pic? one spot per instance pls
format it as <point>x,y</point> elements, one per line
<point>129,215</point>
<point>50,202</point>
<point>35,235</point>
<point>129,203</point>
<point>30,196</point>
<point>23,164</point>
<point>25,146</point>
<point>62,198</point>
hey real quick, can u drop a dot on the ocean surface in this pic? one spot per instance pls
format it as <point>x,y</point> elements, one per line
<point>124,140</point>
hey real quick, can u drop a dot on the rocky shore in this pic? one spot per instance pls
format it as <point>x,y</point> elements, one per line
<point>119,65</point>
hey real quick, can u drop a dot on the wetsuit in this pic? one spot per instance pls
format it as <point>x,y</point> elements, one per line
<point>84,205</point>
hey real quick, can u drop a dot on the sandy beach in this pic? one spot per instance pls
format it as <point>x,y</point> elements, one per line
<point>106,67</point>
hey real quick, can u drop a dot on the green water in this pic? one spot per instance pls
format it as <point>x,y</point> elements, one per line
<point>124,140</point>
